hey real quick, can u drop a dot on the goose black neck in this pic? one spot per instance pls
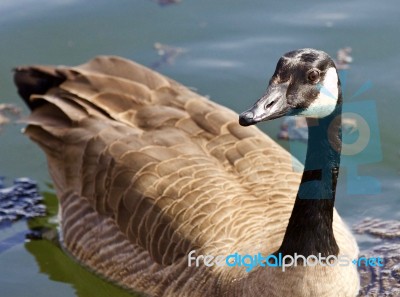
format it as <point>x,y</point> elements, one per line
<point>309,231</point>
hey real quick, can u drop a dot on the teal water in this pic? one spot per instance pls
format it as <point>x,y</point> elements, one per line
<point>231,48</point>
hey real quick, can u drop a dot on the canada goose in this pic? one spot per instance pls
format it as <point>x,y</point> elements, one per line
<point>147,171</point>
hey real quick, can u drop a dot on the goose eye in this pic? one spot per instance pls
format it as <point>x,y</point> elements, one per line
<point>313,76</point>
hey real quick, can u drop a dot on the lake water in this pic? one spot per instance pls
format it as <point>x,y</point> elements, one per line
<point>230,49</point>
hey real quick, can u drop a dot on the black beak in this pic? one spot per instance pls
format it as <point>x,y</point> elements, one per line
<point>271,105</point>
<point>247,118</point>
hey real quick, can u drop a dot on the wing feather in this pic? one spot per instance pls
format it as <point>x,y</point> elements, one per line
<point>172,169</point>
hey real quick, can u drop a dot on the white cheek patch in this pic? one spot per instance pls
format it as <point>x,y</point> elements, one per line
<point>327,98</point>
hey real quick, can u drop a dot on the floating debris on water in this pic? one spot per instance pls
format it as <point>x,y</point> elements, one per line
<point>343,58</point>
<point>378,228</point>
<point>375,280</point>
<point>8,111</point>
<point>167,53</point>
<point>381,281</point>
<point>295,128</point>
<point>167,2</point>
<point>22,200</point>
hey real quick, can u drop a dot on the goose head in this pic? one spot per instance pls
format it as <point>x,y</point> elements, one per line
<point>305,83</point>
